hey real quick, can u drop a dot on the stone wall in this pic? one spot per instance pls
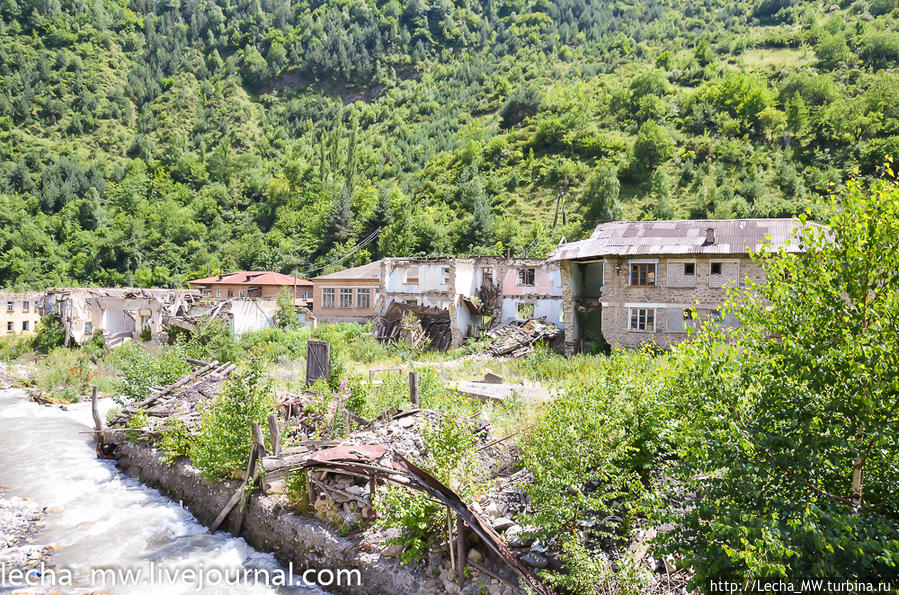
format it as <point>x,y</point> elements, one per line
<point>706,294</point>
<point>273,527</point>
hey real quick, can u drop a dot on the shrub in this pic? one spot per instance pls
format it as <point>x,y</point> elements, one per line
<point>522,103</point>
<point>140,370</point>
<point>50,335</point>
<point>452,459</point>
<point>225,437</point>
<point>787,423</point>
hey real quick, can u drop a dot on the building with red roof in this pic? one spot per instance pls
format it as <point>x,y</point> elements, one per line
<point>253,284</point>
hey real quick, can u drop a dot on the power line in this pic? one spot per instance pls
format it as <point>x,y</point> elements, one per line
<point>358,247</point>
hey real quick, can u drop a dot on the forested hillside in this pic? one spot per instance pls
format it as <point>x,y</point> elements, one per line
<point>146,142</point>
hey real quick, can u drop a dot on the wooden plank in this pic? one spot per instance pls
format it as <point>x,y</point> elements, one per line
<point>413,388</point>
<point>275,433</point>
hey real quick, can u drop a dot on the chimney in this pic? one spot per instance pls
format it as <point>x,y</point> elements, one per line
<point>709,236</point>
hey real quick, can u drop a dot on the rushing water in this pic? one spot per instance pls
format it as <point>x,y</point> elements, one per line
<point>101,518</point>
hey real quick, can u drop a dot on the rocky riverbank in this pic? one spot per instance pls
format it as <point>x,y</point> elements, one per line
<point>20,522</point>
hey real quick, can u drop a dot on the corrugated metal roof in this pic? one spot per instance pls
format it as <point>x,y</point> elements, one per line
<point>371,270</point>
<point>731,236</point>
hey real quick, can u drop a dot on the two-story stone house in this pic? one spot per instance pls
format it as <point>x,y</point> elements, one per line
<point>634,282</point>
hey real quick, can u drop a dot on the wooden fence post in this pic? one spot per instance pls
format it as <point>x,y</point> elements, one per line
<point>275,433</point>
<point>99,434</point>
<point>413,388</point>
<point>461,554</point>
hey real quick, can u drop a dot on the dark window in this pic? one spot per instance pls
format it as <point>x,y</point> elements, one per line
<point>527,277</point>
<point>230,293</point>
<point>9,326</point>
<point>25,325</point>
<point>716,268</point>
<point>690,268</point>
<point>643,274</point>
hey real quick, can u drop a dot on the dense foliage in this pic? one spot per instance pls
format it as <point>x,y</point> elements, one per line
<point>149,142</point>
<point>792,421</point>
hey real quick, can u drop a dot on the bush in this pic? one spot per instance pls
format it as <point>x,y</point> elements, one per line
<point>522,103</point>
<point>64,374</point>
<point>50,335</point>
<point>787,420</point>
<point>12,347</point>
<point>140,370</point>
<point>222,445</point>
<point>452,459</point>
<point>590,468</point>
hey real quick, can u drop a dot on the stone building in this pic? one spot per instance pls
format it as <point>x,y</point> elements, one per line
<point>635,282</point>
<point>20,313</point>
<point>476,291</point>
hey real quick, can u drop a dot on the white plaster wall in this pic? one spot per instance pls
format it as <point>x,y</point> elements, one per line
<point>253,315</point>
<point>430,278</point>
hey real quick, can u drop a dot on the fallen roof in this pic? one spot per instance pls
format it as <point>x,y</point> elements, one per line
<point>371,270</point>
<point>731,236</point>
<point>253,278</point>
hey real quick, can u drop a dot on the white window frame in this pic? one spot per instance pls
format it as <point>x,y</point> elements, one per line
<point>241,293</point>
<point>637,329</point>
<point>306,295</point>
<point>218,293</point>
<point>26,306</point>
<point>345,292</point>
<point>652,261</point>
<point>329,297</point>
<point>363,291</point>
<point>10,306</point>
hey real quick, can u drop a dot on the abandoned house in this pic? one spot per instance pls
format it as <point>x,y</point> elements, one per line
<point>116,314</point>
<point>20,313</point>
<point>476,292</point>
<point>634,282</point>
<point>253,284</point>
<point>347,296</point>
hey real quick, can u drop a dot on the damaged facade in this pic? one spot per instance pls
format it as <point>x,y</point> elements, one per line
<point>116,314</point>
<point>475,292</point>
<point>121,314</point>
<point>20,313</point>
<point>635,282</point>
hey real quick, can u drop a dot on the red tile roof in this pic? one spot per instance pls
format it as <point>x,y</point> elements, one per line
<point>252,278</point>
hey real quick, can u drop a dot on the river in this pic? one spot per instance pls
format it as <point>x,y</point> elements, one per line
<point>102,519</point>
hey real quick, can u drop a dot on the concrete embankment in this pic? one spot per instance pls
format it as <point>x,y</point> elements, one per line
<point>272,526</point>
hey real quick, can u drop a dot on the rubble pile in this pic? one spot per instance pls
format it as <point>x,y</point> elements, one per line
<point>517,339</point>
<point>178,400</point>
<point>399,323</point>
<point>20,520</point>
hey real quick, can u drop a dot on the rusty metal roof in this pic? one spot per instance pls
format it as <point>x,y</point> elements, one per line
<point>730,236</point>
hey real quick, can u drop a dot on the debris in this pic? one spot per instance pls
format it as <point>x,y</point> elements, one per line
<point>534,560</point>
<point>517,339</point>
<point>399,323</point>
<point>491,378</point>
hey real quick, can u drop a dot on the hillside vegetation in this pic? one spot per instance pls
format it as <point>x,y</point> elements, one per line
<point>149,142</point>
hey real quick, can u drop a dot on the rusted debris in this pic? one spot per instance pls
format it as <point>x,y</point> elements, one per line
<point>518,338</point>
<point>368,460</point>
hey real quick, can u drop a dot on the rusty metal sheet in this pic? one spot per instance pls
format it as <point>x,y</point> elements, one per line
<point>348,454</point>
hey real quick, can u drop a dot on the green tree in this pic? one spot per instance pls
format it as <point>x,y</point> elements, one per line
<point>653,146</point>
<point>789,422</point>
<point>600,195</point>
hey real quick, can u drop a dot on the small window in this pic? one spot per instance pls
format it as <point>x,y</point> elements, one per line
<point>643,319</point>
<point>24,325</point>
<point>204,292</point>
<point>88,329</point>
<point>305,295</point>
<point>527,277</point>
<point>346,298</point>
<point>689,268</point>
<point>486,275</point>
<point>446,275</point>
<point>643,274</point>
<point>9,326</point>
<point>412,275</point>
<point>218,293</point>
<point>525,310</point>
<point>328,297</point>
<point>363,298</point>
<point>26,305</point>
<point>230,293</point>
<point>241,293</point>
<point>9,306</point>
<point>716,268</point>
